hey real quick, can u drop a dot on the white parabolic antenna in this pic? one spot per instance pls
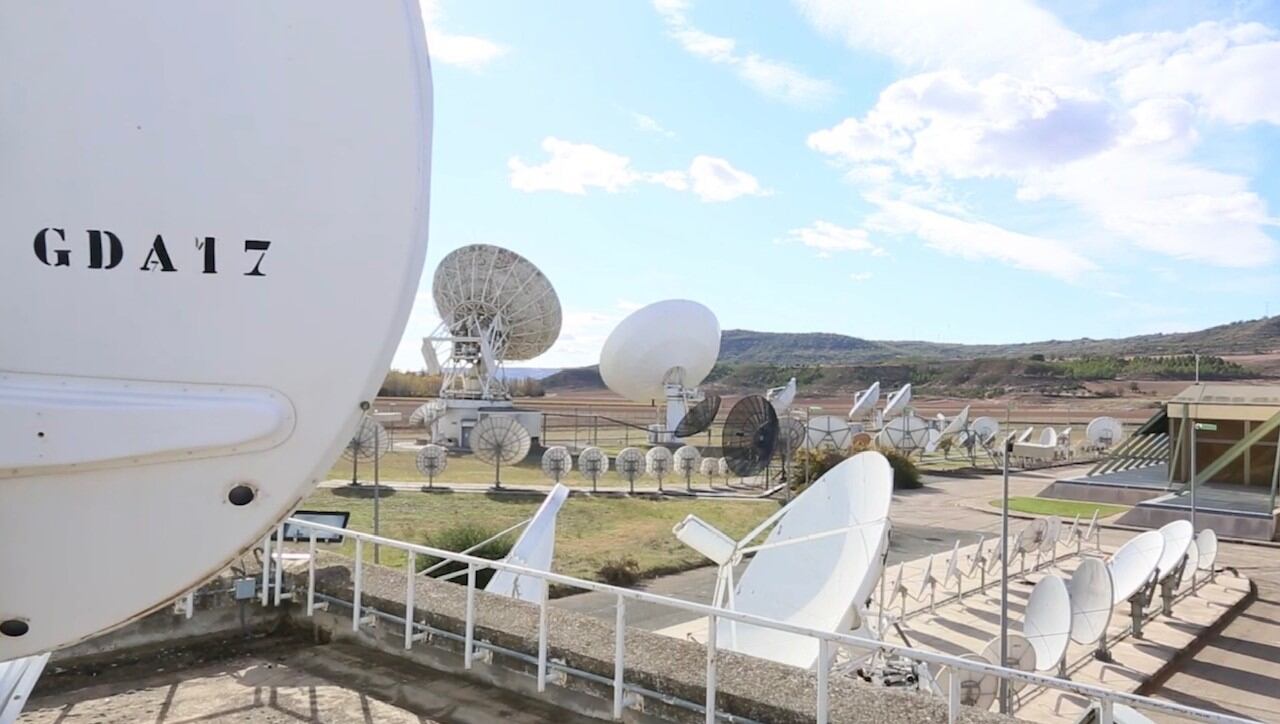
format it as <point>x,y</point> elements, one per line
<point>906,433</point>
<point>674,341</point>
<point>162,404</point>
<point>782,397</point>
<point>897,402</point>
<point>986,428</point>
<point>1021,656</point>
<point>1133,563</point>
<point>864,402</point>
<point>1047,621</point>
<point>1103,431</point>
<point>828,432</point>
<point>1091,600</point>
<point>1177,539</point>
<point>817,581</point>
<point>1207,547</point>
<point>1049,436</point>
<point>534,549</point>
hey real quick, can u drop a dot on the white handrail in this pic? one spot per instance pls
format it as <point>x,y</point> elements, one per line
<point>1106,697</point>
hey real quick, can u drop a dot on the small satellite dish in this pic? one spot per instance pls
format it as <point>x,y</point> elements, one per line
<point>906,433</point>
<point>658,463</point>
<point>750,435</point>
<point>687,459</point>
<point>710,467</point>
<point>180,215</point>
<point>864,402</point>
<point>1132,565</point>
<point>791,435</point>
<point>897,402</point>
<point>630,464</point>
<point>370,442</point>
<point>957,424</point>
<point>670,342</point>
<point>427,413</point>
<point>1049,436</point>
<point>1047,621</point>
<point>828,432</point>
<point>1092,596</point>
<point>1103,432</point>
<point>500,440</point>
<point>700,417</point>
<point>977,689</point>
<point>1207,547</point>
<point>432,461</point>
<point>986,428</point>
<point>557,463</point>
<point>593,463</point>
<point>722,466</point>
<point>782,397</point>
<point>1021,656</point>
<point>1177,539</point>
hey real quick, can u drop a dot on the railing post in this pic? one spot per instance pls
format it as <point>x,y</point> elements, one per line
<point>469,638</point>
<point>280,561</point>
<point>311,574</point>
<point>711,669</point>
<point>619,653</point>
<point>542,645</point>
<point>1106,712</point>
<point>189,604</point>
<point>410,563</point>
<point>355,603</point>
<point>822,681</point>
<point>266,569</point>
<point>953,696</point>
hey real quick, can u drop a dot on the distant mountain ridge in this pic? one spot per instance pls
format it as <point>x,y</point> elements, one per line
<point>745,346</point>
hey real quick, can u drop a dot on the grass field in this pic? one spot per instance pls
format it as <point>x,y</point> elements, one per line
<point>589,533</point>
<point>1061,508</point>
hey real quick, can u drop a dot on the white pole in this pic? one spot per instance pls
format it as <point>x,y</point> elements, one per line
<point>1004,573</point>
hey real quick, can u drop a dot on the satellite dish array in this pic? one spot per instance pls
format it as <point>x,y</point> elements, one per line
<point>1061,610</point>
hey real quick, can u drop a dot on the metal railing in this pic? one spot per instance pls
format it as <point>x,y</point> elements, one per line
<point>1106,699</point>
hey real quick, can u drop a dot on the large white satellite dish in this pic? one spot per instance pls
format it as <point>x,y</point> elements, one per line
<point>1177,539</point>
<point>670,342</point>
<point>1207,548</point>
<point>828,432</point>
<point>1047,621</point>
<point>1091,594</point>
<point>1133,564</point>
<point>534,549</point>
<point>906,433</point>
<point>1103,432</point>
<point>1048,437</point>
<point>897,402</point>
<point>1021,656</point>
<point>183,210</point>
<point>864,402</point>
<point>819,563</point>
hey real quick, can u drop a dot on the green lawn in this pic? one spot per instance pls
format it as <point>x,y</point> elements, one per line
<point>590,531</point>
<point>1061,508</point>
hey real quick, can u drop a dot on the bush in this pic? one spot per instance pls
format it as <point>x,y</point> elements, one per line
<point>458,538</point>
<point>906,476</point>
<point>620,572</point>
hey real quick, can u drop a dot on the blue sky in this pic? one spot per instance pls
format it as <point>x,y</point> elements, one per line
<point>967,172</point>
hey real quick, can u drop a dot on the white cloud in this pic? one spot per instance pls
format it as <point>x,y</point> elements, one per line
<point>828,237</point>
<point>860,276</point>
<point>773,78</point>
<point>975,239</point>
<point>715,179</point>
<point>649,124</point>
<point>575,168</point>
<point>467,51</point>
<point>1109,127</point>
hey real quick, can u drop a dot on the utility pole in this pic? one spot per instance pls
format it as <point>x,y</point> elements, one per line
<point>1004,571</point>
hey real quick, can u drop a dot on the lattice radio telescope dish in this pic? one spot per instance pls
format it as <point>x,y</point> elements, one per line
<point>557,462</point>
<point>828,432</point>
<point>750,435</point>
<point>791,435</point>
<point>370,441</point>
<point>686,463</point>
<point>722,467</point>
<point>630,465</point>
<point>432,461</point>
<point>500,440</point>
<point>482,290</point>
<point>658,463</point>
<point>710,467</point>
<point>700,417</point>
<point>670,342</point>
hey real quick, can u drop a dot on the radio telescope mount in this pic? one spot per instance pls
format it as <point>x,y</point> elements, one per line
<point>500,440</point>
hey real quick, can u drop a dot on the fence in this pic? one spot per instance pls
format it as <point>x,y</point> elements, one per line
<point>1106,699</point>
